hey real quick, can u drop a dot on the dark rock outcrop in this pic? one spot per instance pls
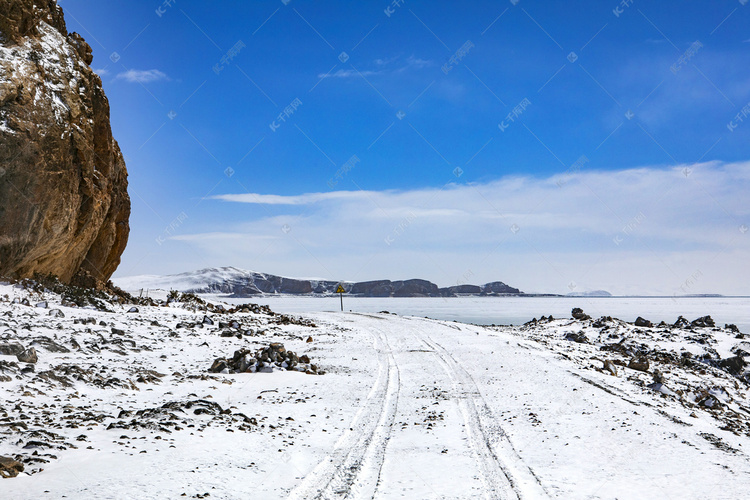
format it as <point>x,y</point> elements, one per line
<point>64,206</point>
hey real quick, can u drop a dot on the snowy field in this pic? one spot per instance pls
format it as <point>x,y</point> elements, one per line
<point>519,310</point>
<point>123,405</point>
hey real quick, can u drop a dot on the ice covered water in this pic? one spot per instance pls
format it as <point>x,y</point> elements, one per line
<point>518,310</point>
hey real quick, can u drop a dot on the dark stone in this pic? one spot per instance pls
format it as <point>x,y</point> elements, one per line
<point>703,322</point>
<point>28,356</point>
<point>11,349</point>
<point>577,337</point>
<point>643,322</point>
<point>10,467</point>
<point>681,322</point>
<point>577,313</point>
<point>734,365</point>
<point>640,364</point>
<point>218,365</point>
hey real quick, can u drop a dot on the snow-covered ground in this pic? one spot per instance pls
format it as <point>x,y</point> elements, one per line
<point>518,310</point>
<point>124,406</point>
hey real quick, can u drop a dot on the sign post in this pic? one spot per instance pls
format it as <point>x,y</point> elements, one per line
<point>340,290</point>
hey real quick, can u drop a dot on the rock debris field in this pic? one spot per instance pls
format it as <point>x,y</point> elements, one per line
<point>182,398</point>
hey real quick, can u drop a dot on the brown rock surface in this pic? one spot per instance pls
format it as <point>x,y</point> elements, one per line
<point>64,206</point>
<point>9,467</point>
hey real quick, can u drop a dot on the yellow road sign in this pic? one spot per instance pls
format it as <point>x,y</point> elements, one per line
<point>340,289</point>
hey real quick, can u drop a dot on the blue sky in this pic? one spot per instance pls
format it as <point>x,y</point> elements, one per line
<point>555,147</point>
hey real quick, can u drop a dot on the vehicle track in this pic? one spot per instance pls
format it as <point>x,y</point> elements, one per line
<point>352,469</point>
<point>504,473</point>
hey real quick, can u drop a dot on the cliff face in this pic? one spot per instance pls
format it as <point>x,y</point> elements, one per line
<point>64,206</point>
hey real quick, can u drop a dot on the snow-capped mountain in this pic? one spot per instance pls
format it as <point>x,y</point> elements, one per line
<point>241,283</point>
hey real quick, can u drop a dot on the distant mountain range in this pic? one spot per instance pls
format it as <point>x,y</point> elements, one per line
<point>238,283</point>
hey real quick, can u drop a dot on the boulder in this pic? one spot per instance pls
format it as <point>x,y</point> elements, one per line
<point>610,367</point>
<point>11,349</point>
<point>28,356</point>
<point>577,337</point>
<point>734,365</point>
<point>10,467</point>
<point>577,313</point>
<point>219,365</point>
<point>703,322</point>
<point>64,206</point>
<point>643,322</point>
<point>640,363</point>
<point>681,322</point>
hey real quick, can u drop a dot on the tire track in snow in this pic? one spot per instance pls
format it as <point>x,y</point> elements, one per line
<point>352,470</point>
<point>504,473</point>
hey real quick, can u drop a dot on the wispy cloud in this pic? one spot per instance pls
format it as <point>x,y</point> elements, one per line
<point>643,230</point>
<point>384,65</point>
<point>142,76</point>
<point>417,62</point>
<point>101,72</point>
<point>303,199</point>
<point>347,73</point>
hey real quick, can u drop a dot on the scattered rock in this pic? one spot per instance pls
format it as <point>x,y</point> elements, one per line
<point>643,322</point>
<point>640,363</point>
<point>610,367</point>
<point>56,313</point>
<point>10,467</point>
<point>703,322</point>
<point>11,349</point>
<point>577,313</point>
<point>28,356</point>
<point>133,310</point>
<point>577,337</point>
<point>265,360</point>
<point>218,366</point>
<point>681,323</point>
<point>734,365</point>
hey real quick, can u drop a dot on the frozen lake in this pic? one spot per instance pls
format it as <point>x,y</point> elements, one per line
<point>518,310</point>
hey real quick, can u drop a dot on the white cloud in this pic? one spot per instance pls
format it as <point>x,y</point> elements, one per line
<point>416,62</point>
<point>347,73</point>
<point>142,76</point>
<point>411,62</point>
<point>643,230</point>
<point>101,72</point>
<point>303,199</point>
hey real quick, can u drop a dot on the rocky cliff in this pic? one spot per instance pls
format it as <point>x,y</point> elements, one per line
<point>64,205</point>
